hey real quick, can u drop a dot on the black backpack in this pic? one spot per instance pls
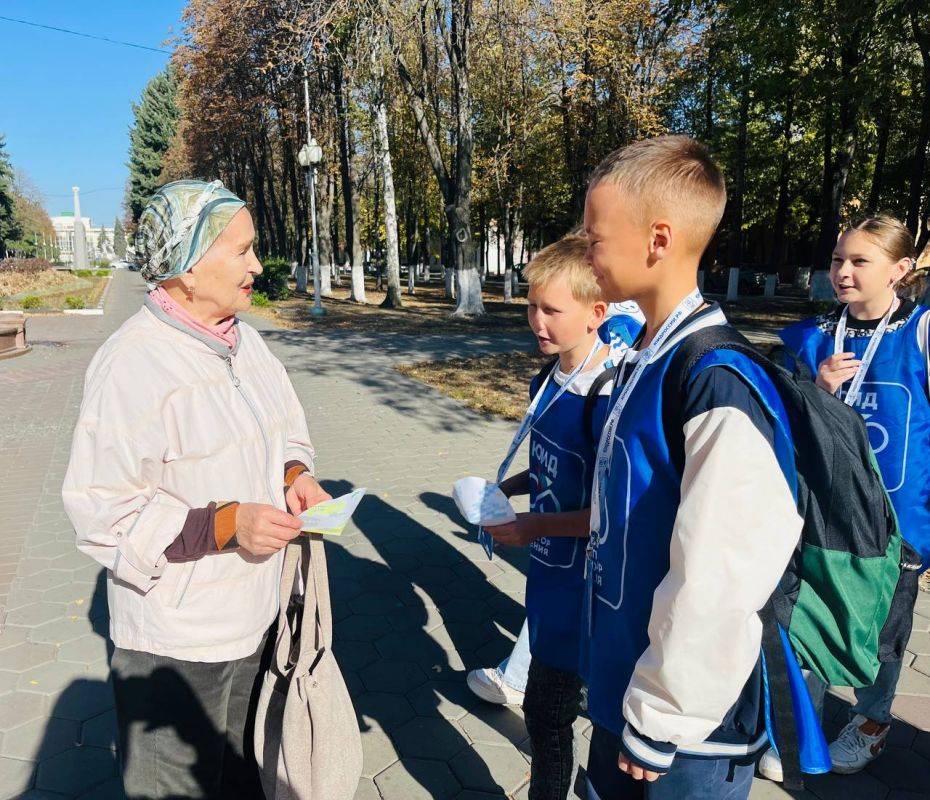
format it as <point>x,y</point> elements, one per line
<point>846,597</point>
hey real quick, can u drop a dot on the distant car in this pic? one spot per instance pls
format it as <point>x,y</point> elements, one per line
<point>122,264</point>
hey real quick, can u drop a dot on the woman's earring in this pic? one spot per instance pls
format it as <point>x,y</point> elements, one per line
<point>190,292</point>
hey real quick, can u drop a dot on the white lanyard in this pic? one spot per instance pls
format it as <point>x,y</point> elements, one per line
<point>870,350</point>
<point>530,418</point>
<point>605,447</point>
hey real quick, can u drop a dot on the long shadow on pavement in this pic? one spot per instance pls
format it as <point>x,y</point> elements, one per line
<point>411,615</point>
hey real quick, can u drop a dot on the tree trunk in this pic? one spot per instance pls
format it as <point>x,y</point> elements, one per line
<point>918,165</point>
<point>739,177</point>
<point>784,178</point>
<point>883,124</point>
<point>841,160</point>
<point>349,192</point>
<point>506,233</point>
<point>324,220</point>
<point>392,255</point>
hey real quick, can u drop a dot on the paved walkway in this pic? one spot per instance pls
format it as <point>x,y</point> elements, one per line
<point>416,601</point>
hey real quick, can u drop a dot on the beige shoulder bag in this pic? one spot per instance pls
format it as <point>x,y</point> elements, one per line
<point>307,741</point>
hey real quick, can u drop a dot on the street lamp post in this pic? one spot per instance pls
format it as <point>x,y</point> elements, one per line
<point>310,155</point>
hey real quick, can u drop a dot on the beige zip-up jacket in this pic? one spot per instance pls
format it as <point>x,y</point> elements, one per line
<point>171,421</point>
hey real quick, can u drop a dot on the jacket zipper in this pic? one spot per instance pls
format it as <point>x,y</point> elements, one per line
<point>238,385</point>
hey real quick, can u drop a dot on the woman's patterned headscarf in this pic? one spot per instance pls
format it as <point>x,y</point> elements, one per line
<point>179,224</point>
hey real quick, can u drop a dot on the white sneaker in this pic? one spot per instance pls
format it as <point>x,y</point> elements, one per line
<point>488,684</point>
<point>860,742</point>
<point>770,766</point>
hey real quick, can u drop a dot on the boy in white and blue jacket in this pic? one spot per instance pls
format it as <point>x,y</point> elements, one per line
<point>565,310</point>
<point>685,550</point>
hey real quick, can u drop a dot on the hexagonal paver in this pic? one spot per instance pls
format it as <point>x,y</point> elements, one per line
<point>69,592</point>
<point>353,656</point>
<point>381,710</point>
<point>8,680</point>
<point>428,737</point>
<point>378,753</point>
<point>62,630</point>
<point>919,643</point>
<point>46,579</point>
<point>50,678</point>
<point>494,725</point>
<point>15,777</point>
<point>76,770</point>
<point>100,731</point>
<point>36,614</point>
<point>490,768</point>
<point>414,645</point>
<point>374,603</point>
<point>83,700</point>
<point>367,789</point>
<point>85,650</point>
<point>108,790</point>
<point>398,677</point>
<point>12,635</point>
<point>417,779</point>
<point>25,656</point>
<point>40,739</point>
<point>447,699</point>
<point>361,628</point>
<point>18,708</point>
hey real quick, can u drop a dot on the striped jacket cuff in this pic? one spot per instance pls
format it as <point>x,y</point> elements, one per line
<point>646,752</point>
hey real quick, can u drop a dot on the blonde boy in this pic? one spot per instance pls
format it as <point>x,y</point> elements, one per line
<point>565,310</point>
<point>683,552</point>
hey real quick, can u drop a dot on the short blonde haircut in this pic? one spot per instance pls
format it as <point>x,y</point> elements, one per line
<point>566,257</point>
<point>673,176</point>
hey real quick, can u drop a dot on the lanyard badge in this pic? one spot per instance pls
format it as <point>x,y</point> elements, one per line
<point>874,341</point>
<point>530,418</point>
<point>606,444</point>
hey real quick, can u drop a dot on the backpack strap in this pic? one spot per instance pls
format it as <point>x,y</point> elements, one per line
<point>691,350</point>
<point>540,376</point>
<point>590,402</point>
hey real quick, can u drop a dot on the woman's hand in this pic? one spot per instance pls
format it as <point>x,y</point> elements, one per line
<point>521,532</point>
<point>837,370</point>
<point>262,530</point>
<point>304,493</point>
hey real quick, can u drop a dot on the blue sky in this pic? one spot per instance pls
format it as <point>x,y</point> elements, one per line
<point>64,100</point>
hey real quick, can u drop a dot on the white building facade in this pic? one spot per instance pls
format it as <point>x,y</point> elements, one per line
<point>64,233</point>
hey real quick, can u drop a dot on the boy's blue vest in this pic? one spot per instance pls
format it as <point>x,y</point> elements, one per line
<point>893,402</point>
<point>631,557</point>
<point>561,469</point>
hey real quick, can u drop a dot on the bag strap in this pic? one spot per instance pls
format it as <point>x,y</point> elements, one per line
<point>590,402</point>
<point>537,381</point>
<point>789,749</point>
<point>691,350</point>
<point>285,637</point>
<point>316,625</point>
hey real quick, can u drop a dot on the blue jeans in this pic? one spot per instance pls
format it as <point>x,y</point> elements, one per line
<point>516,667</point>
<point>691,778</point>
<point>551,706</point>
<point>873,702</point>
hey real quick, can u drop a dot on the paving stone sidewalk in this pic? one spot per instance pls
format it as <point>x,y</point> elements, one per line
<point>416,602</point>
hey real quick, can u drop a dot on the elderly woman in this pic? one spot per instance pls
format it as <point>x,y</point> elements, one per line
<point>190,460</point>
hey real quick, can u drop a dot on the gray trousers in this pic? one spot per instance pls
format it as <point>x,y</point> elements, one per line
<point>185,727</point>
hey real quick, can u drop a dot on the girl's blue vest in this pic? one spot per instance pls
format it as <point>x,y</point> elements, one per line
<point>893,402</point>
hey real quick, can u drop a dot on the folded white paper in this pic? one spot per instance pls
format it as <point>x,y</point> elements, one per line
<point>482,503</point>
<point>331,516</point>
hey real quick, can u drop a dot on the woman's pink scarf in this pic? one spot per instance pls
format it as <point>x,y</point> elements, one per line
<point>224,331</point>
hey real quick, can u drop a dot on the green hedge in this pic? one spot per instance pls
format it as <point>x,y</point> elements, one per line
<point>272,283</point>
